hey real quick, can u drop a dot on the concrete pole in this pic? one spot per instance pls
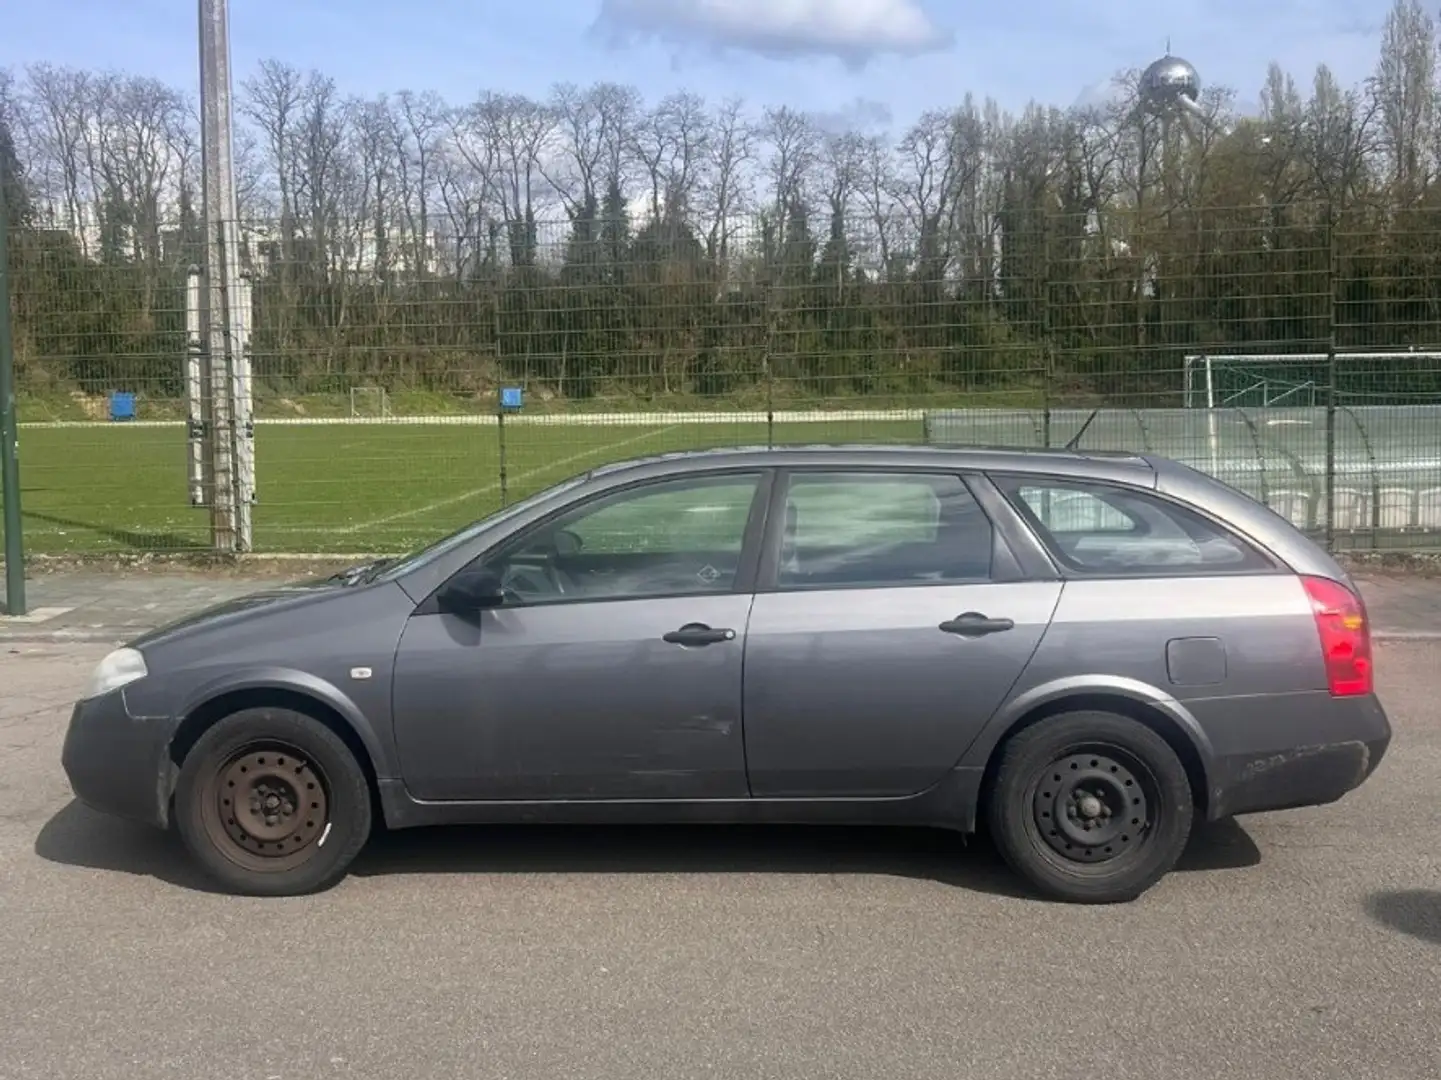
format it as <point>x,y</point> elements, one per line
<point>229,510</point>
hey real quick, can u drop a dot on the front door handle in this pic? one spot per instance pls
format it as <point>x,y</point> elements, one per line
<point>698,634</point>
<point>974,624</point>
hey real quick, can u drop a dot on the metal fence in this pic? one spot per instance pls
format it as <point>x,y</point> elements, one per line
<point>378,368</point>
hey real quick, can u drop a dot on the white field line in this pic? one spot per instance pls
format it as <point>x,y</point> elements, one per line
<point>627,419</point>
<point>451,500</point>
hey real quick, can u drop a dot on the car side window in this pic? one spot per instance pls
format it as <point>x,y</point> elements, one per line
<point>864,529</point>
<point>1108,529</point>
<point>668,538</point>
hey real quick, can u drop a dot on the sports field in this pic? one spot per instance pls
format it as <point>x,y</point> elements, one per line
<point>389,485</point>
<point>383,486</point>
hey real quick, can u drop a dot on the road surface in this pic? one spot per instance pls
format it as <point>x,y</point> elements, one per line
<point>1305,944</point>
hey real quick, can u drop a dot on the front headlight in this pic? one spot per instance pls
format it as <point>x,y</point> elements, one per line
<point>120,668</point>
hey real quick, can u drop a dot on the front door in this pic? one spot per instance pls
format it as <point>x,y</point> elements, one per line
<point>612,671</point>
<point>884,645</point>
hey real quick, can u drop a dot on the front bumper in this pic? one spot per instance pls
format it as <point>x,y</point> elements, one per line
<point>119,764</point>
<point>1334,746</point>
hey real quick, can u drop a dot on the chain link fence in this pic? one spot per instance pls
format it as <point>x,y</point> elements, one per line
<point>1283,349</point>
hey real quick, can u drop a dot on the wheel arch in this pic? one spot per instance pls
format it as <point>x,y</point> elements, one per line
<point>222,702</point>
<point>1161,714</point>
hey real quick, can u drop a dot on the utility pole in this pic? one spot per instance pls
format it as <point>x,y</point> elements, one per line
<point>9,431</point>
<point>226,375</point>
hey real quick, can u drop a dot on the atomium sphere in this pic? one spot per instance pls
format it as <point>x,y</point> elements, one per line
<point>1170,83</point>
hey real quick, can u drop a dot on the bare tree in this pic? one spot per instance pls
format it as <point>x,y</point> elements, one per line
<point>469,166</point>
<point>877,188</point>
<point>589,123</point>
<point>794,146</point>
<point>146,120</point>
<point>929,184</point>
<point>60,111</point>
<point>376,140</point>
<point>670,143</point>
<point>842,172</point>
<point>729,152</point>
<point>512,134</point>
<point>272,100</point>
<point>319,166</point>
<point>419,132</point>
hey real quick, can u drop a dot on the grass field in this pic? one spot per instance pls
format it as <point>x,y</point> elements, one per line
<point>382,487</point>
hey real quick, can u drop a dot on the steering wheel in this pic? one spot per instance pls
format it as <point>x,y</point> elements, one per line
<point>542,578</point>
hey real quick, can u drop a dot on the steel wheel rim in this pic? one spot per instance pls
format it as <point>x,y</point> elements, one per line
<point>1095,805</point>
<point>267,807</point>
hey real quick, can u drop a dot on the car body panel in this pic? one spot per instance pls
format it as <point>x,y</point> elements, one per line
<point>1120,627</point>
<point>573,701</point>
<point>858,693</point>
<point>335,644</point>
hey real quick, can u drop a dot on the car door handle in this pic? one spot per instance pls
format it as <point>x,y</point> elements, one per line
<point>974,624</point>
<point>698,634</point>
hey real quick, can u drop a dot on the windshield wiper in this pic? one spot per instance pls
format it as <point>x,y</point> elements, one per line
<point>360,575</point>
<point>373,570</point>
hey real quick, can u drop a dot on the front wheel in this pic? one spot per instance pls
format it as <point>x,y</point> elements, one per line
<point>271,802</point>
<point>1090,807</point>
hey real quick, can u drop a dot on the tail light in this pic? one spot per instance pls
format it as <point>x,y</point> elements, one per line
<point>1345,636</point>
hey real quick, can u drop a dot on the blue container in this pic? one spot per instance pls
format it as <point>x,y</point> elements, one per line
<point>122,406</point>
<point>510,397</point>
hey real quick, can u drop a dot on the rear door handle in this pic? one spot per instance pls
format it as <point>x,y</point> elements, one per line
<point>974,624</point>
<point>698,634</point>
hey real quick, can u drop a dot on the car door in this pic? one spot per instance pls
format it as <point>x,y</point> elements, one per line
<point>612,670</point>
<point>890,623</point>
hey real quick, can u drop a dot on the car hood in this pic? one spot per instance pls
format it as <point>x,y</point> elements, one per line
<point>243,609</point>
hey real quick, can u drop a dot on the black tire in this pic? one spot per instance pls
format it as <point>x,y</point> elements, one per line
<point>1090,807</point>
<point>304,810</point>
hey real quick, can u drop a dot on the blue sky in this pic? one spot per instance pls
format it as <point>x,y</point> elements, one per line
<point>868,58</point>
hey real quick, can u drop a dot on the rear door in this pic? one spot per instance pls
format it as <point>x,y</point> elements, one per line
<point>890,624</point>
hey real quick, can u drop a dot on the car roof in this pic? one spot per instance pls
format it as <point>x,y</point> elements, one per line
<point>1081,464</point>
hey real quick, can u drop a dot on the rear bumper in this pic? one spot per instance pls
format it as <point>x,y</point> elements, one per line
<point>1348,739</point>
<point>118,764</point>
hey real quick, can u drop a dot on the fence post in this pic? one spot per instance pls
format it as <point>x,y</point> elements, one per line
<point>1330,380</point>
<point>9,435</point>
<point>1048,358</point>
<point>771,315</point>
<point>500,446</point>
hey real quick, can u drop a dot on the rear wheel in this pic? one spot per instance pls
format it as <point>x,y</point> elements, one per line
<point>271,802</point>
<point>1090,807</point>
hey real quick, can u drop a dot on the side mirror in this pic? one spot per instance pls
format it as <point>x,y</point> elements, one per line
<point>471,591</point>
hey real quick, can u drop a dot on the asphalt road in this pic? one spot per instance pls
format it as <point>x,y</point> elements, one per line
<point>1305,944</point>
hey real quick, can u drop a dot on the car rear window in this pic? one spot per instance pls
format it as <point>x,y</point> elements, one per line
<point>1110,529</point>
<point>880,530</point>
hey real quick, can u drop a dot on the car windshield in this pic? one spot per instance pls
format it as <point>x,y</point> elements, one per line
<point>446,544</point>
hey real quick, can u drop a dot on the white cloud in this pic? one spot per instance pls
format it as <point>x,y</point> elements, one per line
<point>853,30</point>
<point>862,116</point>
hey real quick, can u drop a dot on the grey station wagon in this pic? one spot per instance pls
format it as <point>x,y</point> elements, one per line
<point>1084,652</point>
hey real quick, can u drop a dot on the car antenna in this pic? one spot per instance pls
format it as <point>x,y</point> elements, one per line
<point>1076,438</point>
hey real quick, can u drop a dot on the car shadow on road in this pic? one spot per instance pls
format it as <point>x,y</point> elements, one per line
<point>77,836</point>
<point>1415,912</point>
